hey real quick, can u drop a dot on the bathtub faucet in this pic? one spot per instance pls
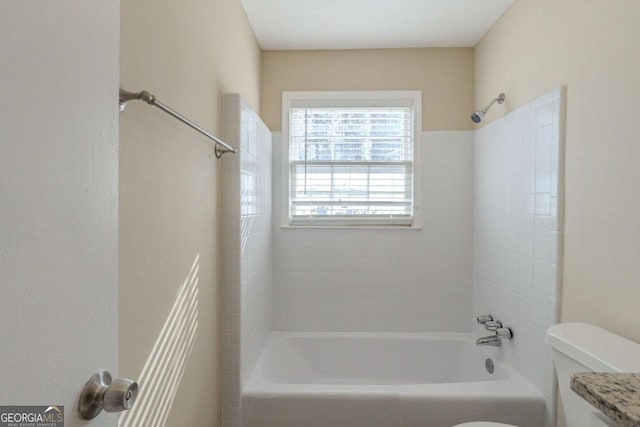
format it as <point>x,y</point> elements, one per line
<point>495,340</point>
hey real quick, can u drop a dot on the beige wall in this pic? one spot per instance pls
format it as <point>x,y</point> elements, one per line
<point>445,77</point>
<point>188,53</point>
<point>591,46</point>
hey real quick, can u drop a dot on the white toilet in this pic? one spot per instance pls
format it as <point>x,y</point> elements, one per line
<point>580,347</point>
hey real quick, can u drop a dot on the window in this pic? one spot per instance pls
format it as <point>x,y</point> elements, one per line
<point>351,157</point>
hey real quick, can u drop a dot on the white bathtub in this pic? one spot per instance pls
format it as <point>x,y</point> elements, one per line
<point>383,380</point>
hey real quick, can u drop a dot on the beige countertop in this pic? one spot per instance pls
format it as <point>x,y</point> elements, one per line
<point>617,395</point>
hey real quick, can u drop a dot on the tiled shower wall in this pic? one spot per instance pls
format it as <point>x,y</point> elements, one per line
<point>518,191</point>
<point>490,242</point>
<point>387,280</point>
<point>246,247</point>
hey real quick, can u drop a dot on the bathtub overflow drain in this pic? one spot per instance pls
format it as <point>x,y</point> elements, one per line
<point>488,363</point>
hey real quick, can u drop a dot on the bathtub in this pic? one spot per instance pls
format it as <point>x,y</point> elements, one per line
<point>383,380</point>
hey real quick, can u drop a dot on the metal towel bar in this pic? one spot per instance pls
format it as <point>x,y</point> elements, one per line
<point>221,147</point>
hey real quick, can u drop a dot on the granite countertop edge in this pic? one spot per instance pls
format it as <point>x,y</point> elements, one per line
<point>617,395</point>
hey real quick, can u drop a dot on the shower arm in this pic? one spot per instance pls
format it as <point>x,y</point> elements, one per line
<point>499,99</point>
<point>221,147</point>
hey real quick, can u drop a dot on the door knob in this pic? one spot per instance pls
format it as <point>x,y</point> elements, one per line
<point>101,393</point>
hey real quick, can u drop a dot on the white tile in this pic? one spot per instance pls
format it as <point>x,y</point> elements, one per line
<point>526,245</point>
<point>528,141</point>
<point>544,114</point>
<point>541,262</point>
<point>528,162</point>
<point>555,149</point>
<point>542,204</point>
<point>555,183</point>
<point>525,285</point>
<point>540,293</point>
<point>542,225</point>
<point>544,138</point>
<point>526,266</point>
<point>554,217</point>
<point>528,205</point>
<point>527,226</point>
<point>527,183</point>
<point>543,159</point>
<point>528,119</point>
<point>542,250</point>
<point>543,181</point>
<point>555,241</point>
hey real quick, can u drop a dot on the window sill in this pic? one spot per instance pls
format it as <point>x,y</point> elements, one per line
<point>351,227</point>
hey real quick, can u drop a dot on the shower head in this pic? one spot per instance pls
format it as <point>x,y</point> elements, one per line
<point>477,116</point>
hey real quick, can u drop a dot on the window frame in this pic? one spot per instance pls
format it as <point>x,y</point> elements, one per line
<point>384,98</point>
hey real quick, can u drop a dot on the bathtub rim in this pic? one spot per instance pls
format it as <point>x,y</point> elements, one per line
<point>515,385</point>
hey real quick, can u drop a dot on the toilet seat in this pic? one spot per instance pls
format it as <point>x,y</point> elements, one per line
<point>484,424</point>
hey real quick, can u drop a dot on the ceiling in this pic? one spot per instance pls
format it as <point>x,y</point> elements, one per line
<point>370,24</point>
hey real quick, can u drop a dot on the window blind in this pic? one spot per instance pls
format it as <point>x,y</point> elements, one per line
<point>351,166</point>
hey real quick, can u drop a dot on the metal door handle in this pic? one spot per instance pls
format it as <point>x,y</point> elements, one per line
<point>101,393</point>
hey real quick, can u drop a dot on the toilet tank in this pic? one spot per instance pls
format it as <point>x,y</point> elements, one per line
<point>581,347</point>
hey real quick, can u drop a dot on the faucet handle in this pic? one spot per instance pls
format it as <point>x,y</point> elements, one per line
<point>504,333</point>
<point>493,325</point>
<point>484,318</point>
